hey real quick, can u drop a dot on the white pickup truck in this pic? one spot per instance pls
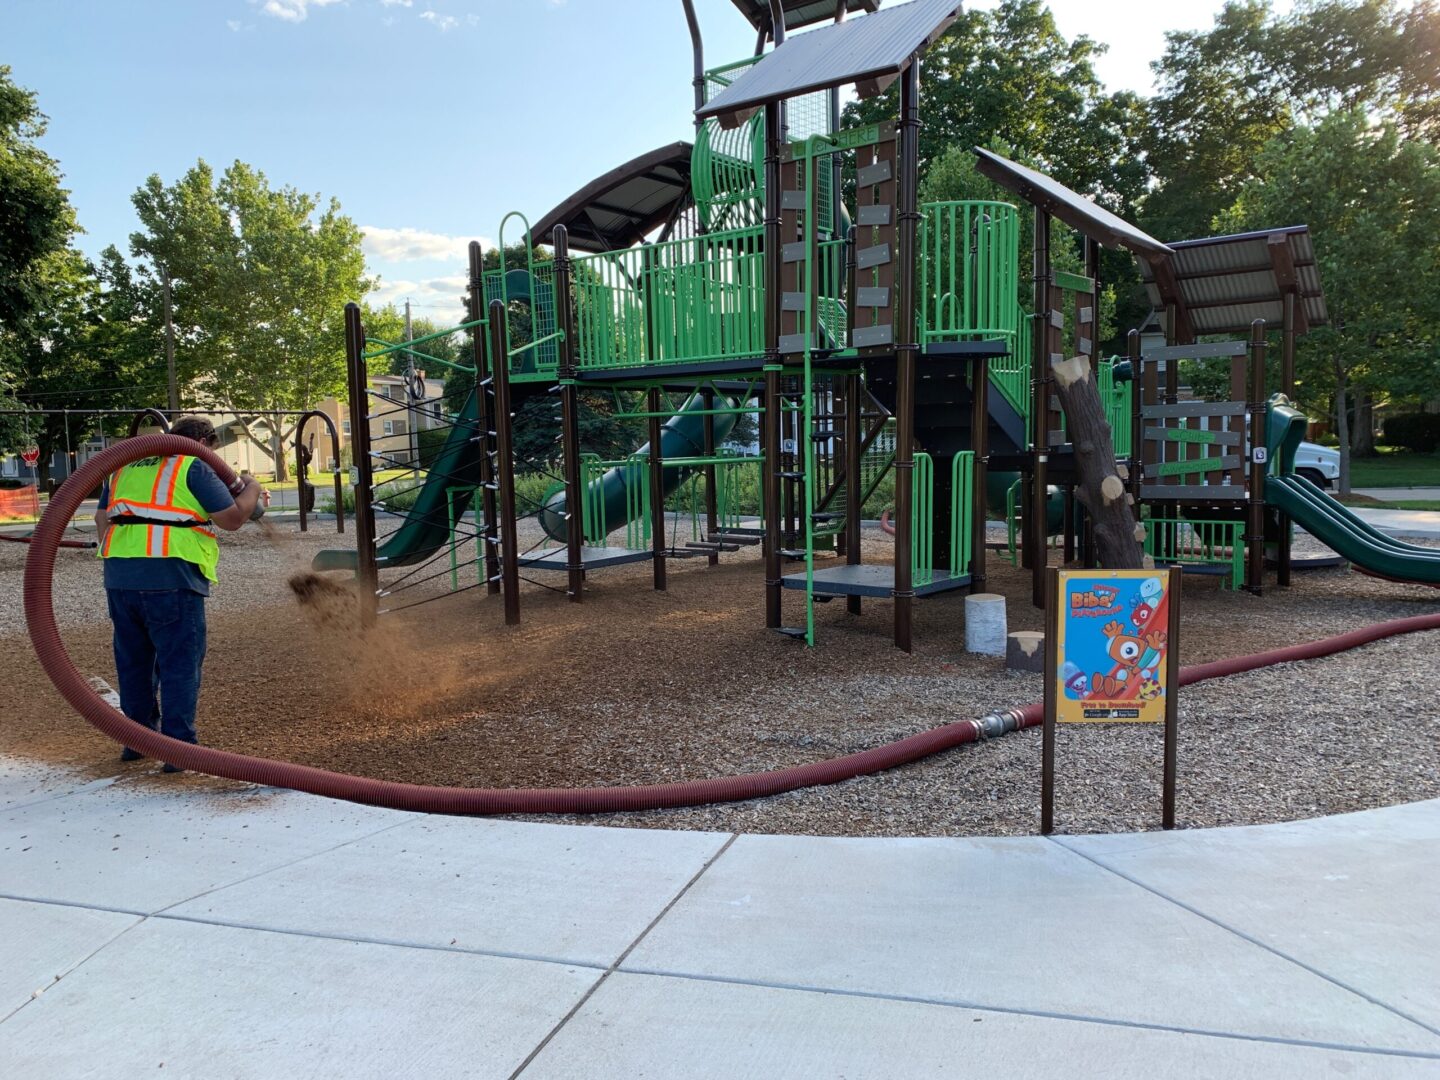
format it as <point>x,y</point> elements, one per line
<point>1318,464</point>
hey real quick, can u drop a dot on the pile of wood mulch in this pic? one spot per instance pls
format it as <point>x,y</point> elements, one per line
<point>635,686</point>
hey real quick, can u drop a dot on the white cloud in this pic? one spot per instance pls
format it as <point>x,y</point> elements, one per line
<point>443,23</point>
<point>397,3</point>
<point>234,25</point>
<point>293,11</point>
<point>411,245</point>
<point>440,293</point>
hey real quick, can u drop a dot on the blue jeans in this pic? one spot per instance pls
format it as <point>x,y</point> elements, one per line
<point>159,650</point>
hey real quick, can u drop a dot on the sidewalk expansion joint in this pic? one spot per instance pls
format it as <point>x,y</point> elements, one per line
<point>1249,938</point>
<point>540,1046</point>
<point>1043,1014</point>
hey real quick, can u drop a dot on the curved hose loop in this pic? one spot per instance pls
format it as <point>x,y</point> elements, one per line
<point>40,618</point>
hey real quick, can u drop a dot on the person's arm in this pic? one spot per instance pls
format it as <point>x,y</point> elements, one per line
<point>102,515</point>
<point>242,509</point>
<point>227,511</point>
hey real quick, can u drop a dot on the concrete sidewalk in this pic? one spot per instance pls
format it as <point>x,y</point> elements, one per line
<point>256,933</point>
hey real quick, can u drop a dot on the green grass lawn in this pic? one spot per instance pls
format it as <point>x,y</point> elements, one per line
<point>1395,468</point>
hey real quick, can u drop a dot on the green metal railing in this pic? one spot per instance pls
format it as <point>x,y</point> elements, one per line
<point>691,300</point>
<point>1115,397</point>
<point>526,286</point>
<point>922,520</point>
<point>962,504</point>
<point>969,271</point>
<point>1198,542</point>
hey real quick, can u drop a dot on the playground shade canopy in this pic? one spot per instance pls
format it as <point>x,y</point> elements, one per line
<point>869,51</point>
<point>799,13</point>
<point>1071,207</point>
<point>1222,284</point>
<point>625,205</point>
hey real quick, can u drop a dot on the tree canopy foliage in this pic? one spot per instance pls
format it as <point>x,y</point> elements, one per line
<point>1372,200</point>
<point>260,277</point>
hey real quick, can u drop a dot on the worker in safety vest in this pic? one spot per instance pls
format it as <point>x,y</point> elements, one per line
<point>156,527</point>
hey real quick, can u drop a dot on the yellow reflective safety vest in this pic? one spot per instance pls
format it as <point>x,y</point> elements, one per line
<point>154,516</point>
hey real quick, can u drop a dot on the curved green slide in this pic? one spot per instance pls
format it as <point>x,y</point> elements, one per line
<point>682,436</point>
<point>426,528</point>
<point>1330,522</point>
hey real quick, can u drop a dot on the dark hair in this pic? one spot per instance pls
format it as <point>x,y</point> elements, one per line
<point>195,427</point>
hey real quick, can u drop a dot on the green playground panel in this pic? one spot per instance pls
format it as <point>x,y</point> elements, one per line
<point>1196,541</point>
<point>684,301</point>
<point>968,268</point>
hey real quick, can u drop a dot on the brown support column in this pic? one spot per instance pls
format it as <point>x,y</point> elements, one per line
<point>357,379</point>
<point>657,491</point>
<point>980,443</point>
<point>569,422</point>
<point>770,419</point>
<point>712,517</point>
<point>505,463</point>
<point>907,349</point>
<point>485,514</point>
<point>1255,508</point>
<point>853,491</point>
<point>1035,510</point>
<point>1287,387</point>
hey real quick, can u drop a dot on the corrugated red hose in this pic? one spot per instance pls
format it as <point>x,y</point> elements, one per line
<point>40,616</point>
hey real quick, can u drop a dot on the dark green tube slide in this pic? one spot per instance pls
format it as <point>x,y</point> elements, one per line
<point>682,436</point>
<point>1336,527</point>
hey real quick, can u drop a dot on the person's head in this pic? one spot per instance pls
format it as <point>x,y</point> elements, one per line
<point>197,428</point>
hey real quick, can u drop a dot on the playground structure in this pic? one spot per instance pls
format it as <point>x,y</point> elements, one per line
<point>874,339</point>
<point>855,330</point>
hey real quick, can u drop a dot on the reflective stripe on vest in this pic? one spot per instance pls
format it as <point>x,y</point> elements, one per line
<point>154,490</point>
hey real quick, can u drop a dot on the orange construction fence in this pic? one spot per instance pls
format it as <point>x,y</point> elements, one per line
<point>20,503</point>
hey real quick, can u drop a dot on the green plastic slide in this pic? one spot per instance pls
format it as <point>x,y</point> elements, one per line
<point>1335,526</point>
<point>1331,522</point>
<point>426,528</point>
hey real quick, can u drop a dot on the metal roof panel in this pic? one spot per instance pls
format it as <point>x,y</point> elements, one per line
<point>798,13</point>
<point>870,49</point>
<point>1069,206</point>
<point>1226,282</point>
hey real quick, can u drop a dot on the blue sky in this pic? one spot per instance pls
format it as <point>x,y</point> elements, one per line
<point>428,119</point>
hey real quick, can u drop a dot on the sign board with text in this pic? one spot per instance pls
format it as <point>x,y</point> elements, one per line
<point>1112,646</point>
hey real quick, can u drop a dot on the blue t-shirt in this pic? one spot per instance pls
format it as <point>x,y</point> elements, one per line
<point>170,573</point>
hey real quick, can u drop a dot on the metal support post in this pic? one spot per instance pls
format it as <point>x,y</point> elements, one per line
<point>657,491</point>
<point>505,463</point>
<point>569,421</point>
<point>484,426</point>
<point>366,570</point>
<point>1255,507</point>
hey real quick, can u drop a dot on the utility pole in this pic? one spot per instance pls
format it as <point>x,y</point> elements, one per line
<point>170,346</point>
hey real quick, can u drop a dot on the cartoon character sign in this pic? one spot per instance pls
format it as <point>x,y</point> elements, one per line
<point>1112,646</point>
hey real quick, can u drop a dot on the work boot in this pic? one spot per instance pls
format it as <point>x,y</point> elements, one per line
<point>171,768</point>
<point>130,755</point>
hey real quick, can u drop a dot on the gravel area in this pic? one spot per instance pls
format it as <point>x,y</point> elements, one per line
<point>635,686</point>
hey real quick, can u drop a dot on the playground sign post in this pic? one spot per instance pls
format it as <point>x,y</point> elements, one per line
<point>1111,657</point>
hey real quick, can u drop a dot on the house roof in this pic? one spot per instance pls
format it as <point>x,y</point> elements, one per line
<point>621,207</point>
<point>799,13</point>
<point>1074,209</point>
<point>870,51</point>
<point>1222,284</point>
